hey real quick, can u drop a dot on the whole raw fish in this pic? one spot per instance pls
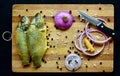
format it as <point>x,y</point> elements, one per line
<point>21,40</point>
<point>37,39</point>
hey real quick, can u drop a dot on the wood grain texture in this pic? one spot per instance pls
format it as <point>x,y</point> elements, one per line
<point>52,54</point>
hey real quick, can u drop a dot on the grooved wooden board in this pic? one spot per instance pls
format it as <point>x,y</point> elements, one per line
<point>52,54</point>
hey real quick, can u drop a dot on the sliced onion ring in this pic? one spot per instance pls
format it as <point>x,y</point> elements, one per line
<point>87,33</point>
<point>73,62</point>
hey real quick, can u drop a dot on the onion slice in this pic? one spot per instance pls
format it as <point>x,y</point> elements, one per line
<point>73,62</point>
<point>87,33</point>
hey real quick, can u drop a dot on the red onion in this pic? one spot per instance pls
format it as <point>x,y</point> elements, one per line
<point>63,20</point>
<point>73,62</point>
<point>87,33</point>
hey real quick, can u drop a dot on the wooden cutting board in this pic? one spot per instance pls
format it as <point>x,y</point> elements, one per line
<point>100,63</point>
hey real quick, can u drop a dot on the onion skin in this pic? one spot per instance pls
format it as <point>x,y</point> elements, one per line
<point>59,21</point>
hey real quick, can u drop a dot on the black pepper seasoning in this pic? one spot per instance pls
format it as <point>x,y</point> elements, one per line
<point>57,67</point>
<point>44,16</point>
<point>73,20</point>
<point>66,37</point>
<point>64,56</point>
<point>99,8</point>
<point>69,51</point>
<point>54,46</point>
<point>19,15</point>
<point>56,62</point>
<point>70,48</point>
<point>88,59</point>
<point>47,26</point>
<point>70,11</point>
<point>103,70</point>
<point>86,9</point>
<point>86,66</point>
<point>72,41</point>
<point>52,39</point>
<point>47,38</point>
<point>44,60</point>
<point>73,70</point>
<point>40,11</point>
<point>26,10</point>
<point>52,16</point>
<point>78,16</point>
<point>78,54</point>
<point>58,58</point>
<point>48,34</point>
<point>108,20</point>
<point>50,46</point>
<point>78,31</point>
<point>100,63</point>
<point>75,52</point>
<point>61,69</point>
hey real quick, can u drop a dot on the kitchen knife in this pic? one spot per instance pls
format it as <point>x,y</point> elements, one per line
<point>99,24</point>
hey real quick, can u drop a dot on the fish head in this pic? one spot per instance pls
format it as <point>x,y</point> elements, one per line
<point>23,24</point>
<point>38,21</point>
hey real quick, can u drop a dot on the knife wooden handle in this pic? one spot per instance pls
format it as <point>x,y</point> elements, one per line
<point>108,31</point>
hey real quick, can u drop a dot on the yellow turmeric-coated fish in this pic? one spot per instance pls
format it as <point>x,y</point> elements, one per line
<point>37,39</point>
<point>21,40</point>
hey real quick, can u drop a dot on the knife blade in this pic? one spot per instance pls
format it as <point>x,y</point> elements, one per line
<point>99,24</point>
